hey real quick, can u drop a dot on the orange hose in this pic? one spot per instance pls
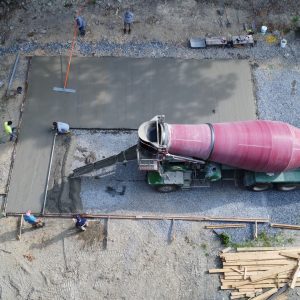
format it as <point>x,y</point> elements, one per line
<point>70,56</point>
<point>73,45</point>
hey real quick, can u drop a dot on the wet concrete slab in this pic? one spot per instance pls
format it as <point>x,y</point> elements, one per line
<point>119,93</point>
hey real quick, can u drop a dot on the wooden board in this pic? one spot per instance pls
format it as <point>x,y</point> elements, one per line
<point>220,226</point>
<point>295,276</point>
<point>265,295</point>
<point>270,273</point>
<point>285,226</point>
<point>270,255</point>
<point>256,249</point>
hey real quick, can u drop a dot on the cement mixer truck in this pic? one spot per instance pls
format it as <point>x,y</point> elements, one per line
<point>258,154</point>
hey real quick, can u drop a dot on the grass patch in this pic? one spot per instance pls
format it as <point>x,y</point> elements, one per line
<point>263,240</point>
<point>203,246</point>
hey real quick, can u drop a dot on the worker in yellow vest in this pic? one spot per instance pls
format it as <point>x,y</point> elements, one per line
<point>9,130</point>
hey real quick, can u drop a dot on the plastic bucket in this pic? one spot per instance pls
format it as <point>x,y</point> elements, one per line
<point>263,29</point>
<point>283,43</point>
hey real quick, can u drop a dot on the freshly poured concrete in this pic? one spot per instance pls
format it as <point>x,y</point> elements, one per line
<point>119,93</point>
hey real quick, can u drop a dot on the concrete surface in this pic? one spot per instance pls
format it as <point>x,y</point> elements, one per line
<point>120,93</point>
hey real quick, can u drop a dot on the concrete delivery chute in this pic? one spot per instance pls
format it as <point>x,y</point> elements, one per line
<point>254,154</point>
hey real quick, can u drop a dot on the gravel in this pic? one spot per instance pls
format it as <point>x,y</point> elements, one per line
<point>261,51</point>
<point>278,93</point>
<point>100,144</point>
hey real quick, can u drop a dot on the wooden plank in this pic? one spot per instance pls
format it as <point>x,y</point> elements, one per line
<point>236,270</point>
<point>256,286</point>
<point>269,255</point>
<point>295,276</point>
<point>285,226</point>
<point>259,263</point>
<point>241,277</point>
<point>270,273</point>
<point>266,295</point>
<point>245,273</point>
<point>226,250</point>
<point>250,290</point>
<point>235,283</point>
<point>290,255</point>
<point>220,226</point>
<point>237,293</point>
<point>234,219</point>
<point>252,286</point>
<point>255,249</point>
<point>215,271</point>
<point>242,296</point>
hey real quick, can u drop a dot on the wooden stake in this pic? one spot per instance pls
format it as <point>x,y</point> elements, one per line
<point>285,226</point>
<point>255,233</point>
<point>20,224</point>
<point>220,226</point>
<point>245,273</point>
<point>295,276</point>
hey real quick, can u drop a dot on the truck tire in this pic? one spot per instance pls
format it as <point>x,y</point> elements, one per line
<point>167,188</point>
<point>260,187</point>
<point>285,187</point>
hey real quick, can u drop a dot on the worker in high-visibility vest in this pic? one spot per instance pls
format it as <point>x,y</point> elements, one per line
<point>9,130</point>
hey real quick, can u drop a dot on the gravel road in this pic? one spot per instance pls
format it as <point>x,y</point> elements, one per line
<point>262,50</point>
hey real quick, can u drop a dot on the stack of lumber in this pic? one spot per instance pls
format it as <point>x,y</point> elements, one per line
<point>249,271</point>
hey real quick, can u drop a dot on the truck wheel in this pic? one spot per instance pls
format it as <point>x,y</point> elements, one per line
<point>260,187</point>
<point>285,187</point>
<point>167,188</point>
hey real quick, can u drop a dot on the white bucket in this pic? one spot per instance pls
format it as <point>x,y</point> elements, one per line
<point>263,29</point>
<point>283,43</point>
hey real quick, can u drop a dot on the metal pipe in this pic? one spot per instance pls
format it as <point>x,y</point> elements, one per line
<point>48,174</point>
<point>12,74</point>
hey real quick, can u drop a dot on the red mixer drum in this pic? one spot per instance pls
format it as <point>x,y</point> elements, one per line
<point>261,146</point>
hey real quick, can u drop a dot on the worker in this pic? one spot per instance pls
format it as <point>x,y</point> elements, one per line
<point>81,25</point>
<point>61,128</point>
<point>128,20</point>
<point>81,223</point>
<point>9,130</point>
<point>32,220</point>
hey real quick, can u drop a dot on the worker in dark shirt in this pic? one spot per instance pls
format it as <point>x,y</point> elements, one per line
<point>81,24</point>
<point>128,20</point>
<point>81,223</point>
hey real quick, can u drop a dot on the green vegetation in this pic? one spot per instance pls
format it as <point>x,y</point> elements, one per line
<point>295,20</point>
<point>225,239</point>
<point>204,246</point>
<point>263,240</point>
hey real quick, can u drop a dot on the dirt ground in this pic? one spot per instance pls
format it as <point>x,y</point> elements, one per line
<point>114,259</point>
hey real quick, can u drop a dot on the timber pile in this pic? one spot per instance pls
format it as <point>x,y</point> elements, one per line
<point>247,273</point>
